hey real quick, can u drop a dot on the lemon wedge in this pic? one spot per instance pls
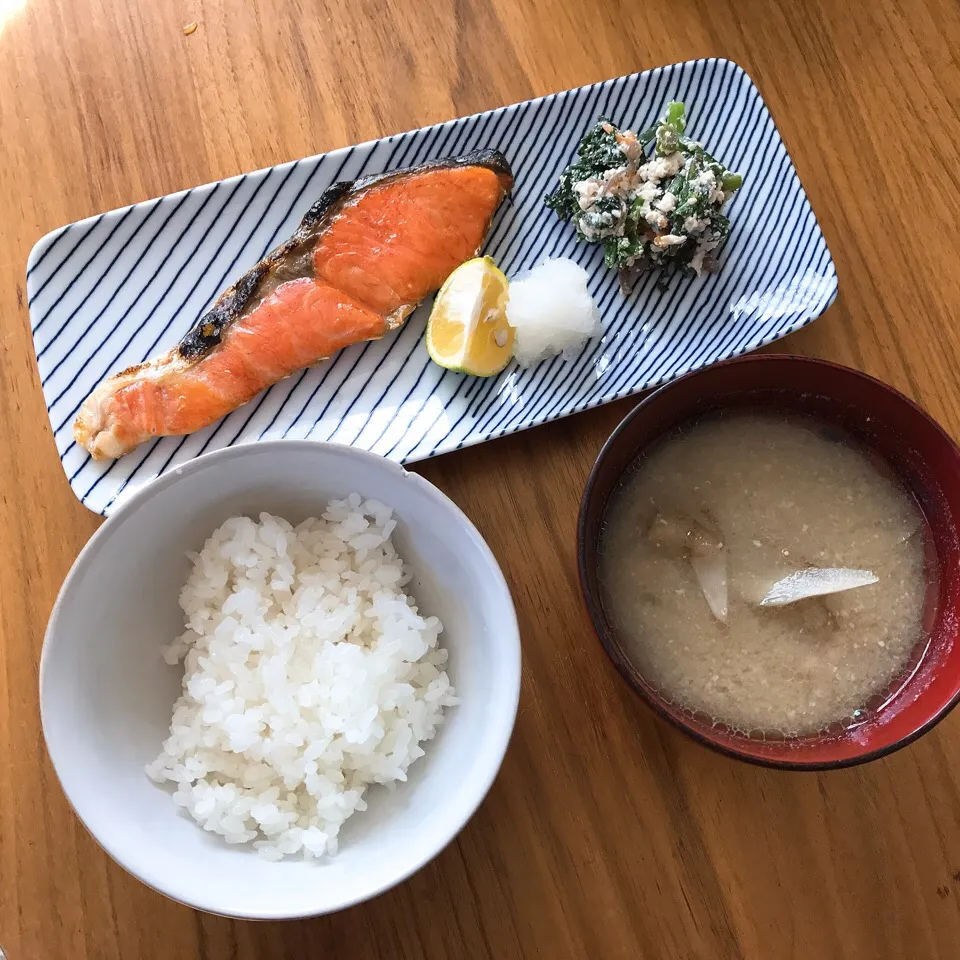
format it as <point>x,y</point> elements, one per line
<point>468,330</point>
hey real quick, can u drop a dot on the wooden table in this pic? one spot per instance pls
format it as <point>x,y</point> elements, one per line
<point>607,834</point>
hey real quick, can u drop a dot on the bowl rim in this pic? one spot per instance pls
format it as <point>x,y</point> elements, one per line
<point>511,641</point>
<point>592,601</point>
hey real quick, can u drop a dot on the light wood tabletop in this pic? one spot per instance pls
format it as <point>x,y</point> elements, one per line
<point>608,834</point>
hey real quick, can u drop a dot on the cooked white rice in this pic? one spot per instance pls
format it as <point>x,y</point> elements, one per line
<point>308,674</point>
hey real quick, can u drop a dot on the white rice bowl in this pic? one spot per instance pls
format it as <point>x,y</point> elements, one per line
<point>309,674</point>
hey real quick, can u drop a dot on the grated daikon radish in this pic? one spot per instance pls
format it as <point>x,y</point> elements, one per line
<point>551,311</point>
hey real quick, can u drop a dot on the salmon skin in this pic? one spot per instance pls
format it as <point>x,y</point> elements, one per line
<point>363,258</point>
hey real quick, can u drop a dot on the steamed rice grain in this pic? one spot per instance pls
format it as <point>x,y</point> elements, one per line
<point>308,674</point>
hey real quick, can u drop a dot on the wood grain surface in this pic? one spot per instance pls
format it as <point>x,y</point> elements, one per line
<point>607,834</point>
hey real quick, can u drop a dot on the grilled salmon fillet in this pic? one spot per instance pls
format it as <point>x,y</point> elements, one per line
<point>365,255</point>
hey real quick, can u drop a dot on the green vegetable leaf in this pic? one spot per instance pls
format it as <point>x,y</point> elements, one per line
<point>597,153</point>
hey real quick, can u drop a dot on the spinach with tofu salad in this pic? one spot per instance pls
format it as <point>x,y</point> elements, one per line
<point>661,212</point>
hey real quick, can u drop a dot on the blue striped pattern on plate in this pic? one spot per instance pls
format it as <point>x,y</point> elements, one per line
<point>111,291</point>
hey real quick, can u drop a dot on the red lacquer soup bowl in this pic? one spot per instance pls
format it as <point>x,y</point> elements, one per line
<point>914,448</point>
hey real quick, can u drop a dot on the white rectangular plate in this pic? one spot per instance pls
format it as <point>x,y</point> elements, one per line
<point>110,291</point>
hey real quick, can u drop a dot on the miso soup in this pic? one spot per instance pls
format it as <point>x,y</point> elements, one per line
<point>700,529</point>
